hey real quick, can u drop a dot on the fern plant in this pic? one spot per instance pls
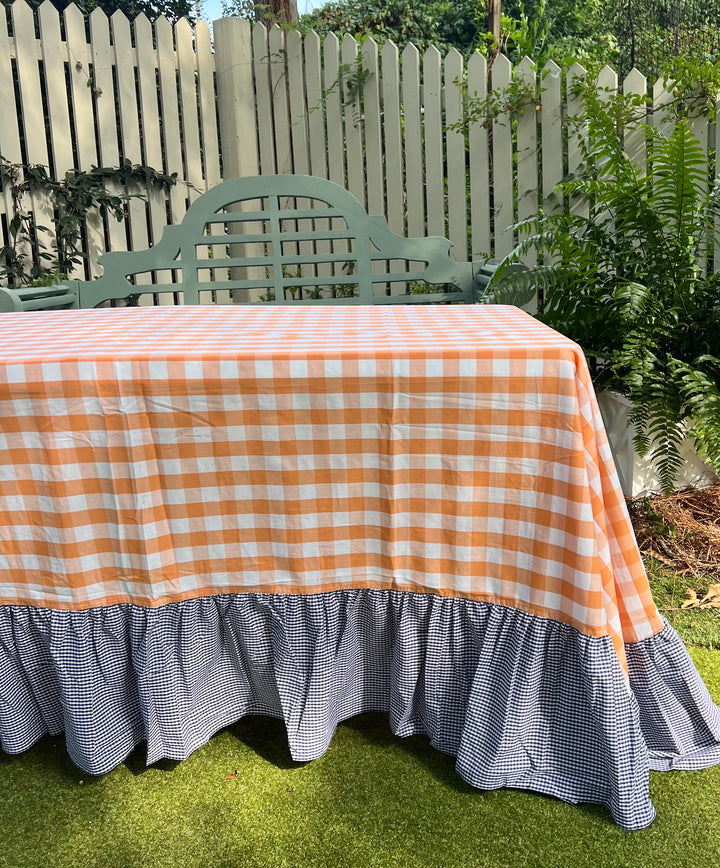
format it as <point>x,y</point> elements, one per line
<point>628,273</point>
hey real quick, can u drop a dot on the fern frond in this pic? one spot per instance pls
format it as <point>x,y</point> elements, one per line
<point>679,179</point>
<point>700,389</point>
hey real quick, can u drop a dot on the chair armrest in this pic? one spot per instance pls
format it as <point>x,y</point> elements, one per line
<point>59,295</point>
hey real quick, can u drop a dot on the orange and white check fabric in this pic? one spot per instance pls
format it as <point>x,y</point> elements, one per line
<point>155,454</point>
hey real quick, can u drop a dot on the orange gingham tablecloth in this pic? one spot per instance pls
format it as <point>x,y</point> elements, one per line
<point>151,455</point>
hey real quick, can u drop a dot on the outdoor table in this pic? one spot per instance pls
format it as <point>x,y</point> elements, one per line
<point>310,513</point>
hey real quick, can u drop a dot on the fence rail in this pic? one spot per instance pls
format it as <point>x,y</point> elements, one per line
<point>77,93</point>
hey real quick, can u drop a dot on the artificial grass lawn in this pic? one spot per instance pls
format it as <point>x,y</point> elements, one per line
<point>372,800</point>
<point>694,626</point>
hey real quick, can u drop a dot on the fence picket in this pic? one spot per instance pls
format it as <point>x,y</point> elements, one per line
<point>265,121</point>
<point>333,108</point>
<point>455,157</point>
<point>352,119</point>
<point>129,120</point>
<point>479,158</point>
<point>527,154</point>
<point>281,110</point>
<point>205,64</point>
<point>31,109</point>
<point>81,86</point>
<point>57,103</point>
<point>81,95</point>
<point>373,134</point>
<point>189,109</point>
<point>107,131</point>
<point>130,135</point>
<point>502,155</point>
<point>31,102</point>
<point>415,201</point>
<point>334,121</point>
<point>169,102</point>
<point>147,64</point>
<point>392,139</point>
<point>552,139</point>
<point>433,140</point>
<point>575,105</point>
<point>316,124</point>
<point>607,83</point>
<point>9,110</point>
<point>298,108</point>
<point>661,118</point>
<point>147,88</point>
<point>239,127</point>
<point>9,132</point>
<point>634,139</point>
<point>701,129</point>
<point>197,95</point>
<point>298,128</point>
<point>316,110</point>
<point>236,100</point>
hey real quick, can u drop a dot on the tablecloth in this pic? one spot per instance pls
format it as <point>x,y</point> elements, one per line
<point>314,512</point>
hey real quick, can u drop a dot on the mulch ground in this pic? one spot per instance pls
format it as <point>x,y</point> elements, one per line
<point>681,531</point>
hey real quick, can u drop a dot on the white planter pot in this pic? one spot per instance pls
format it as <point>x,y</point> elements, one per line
<point>637,475</point>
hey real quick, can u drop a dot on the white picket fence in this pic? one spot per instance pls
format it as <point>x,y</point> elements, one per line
<point>74,96</point>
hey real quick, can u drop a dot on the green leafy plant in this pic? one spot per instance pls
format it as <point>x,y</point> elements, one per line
<point>526,34</point>
<point>173,10</point>
<point>402,21</point>
<point>350,82</point>
<point>628,273</point>
<point>564,30</point>
<point>499,106</point>
<point>23,258</point>
<point>300,293</point>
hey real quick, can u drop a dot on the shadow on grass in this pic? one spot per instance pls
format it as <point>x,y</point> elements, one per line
<point>374,728</point>
<point>49,753</point>
<point>267,738</point>
<point>136,762</point>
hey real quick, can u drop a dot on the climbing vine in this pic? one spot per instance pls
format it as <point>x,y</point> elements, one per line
<point>24,258</point>
<point>350,81</point>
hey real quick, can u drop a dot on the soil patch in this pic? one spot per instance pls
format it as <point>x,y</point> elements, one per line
<point>681,531</point>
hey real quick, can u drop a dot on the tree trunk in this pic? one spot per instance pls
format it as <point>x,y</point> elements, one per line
<point>282,11</point>
<point>494,13</point>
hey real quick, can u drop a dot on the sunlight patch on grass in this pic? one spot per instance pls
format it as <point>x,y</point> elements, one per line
<point>699,627</point>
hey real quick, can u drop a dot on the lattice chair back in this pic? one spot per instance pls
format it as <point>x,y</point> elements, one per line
<point>282,239</point>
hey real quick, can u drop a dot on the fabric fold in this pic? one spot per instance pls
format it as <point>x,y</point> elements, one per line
<point>679,721</point>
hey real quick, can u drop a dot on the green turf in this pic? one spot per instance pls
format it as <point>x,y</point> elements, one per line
<point>695,626</point>
<point>372,800</point>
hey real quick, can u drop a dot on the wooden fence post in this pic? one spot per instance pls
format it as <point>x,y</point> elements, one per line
<point>238,124</point>
<point>236,101</point>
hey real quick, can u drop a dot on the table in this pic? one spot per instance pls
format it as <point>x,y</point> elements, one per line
<point>311,513</point>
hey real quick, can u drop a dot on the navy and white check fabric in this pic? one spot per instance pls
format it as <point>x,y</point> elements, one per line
<point>679,720</point>
<point>521,701</point>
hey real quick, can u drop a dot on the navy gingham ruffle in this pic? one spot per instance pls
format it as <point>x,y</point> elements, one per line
<point>520,700</point>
